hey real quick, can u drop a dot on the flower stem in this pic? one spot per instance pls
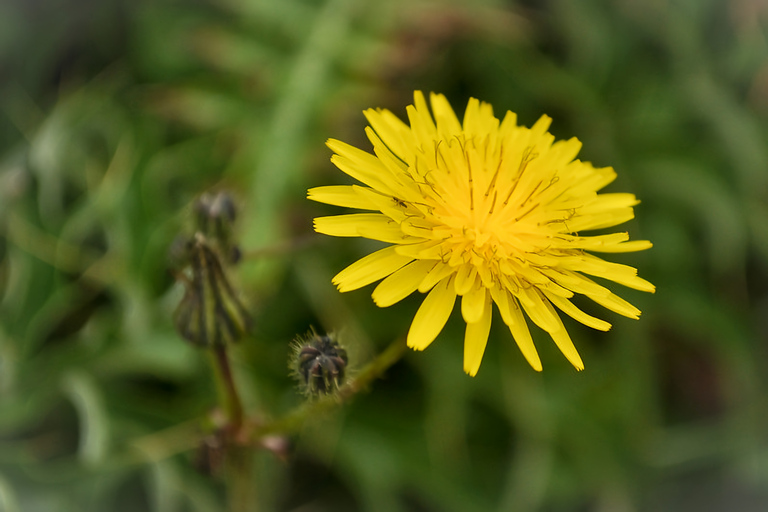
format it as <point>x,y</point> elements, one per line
<point>241,486</point>
<point>228,396</point>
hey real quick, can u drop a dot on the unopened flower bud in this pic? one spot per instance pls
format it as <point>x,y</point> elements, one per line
<point>215,216</point>
<point>210,313</point>
<point>320,364</point>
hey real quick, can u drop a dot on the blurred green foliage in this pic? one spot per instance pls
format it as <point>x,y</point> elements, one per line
<point>116,115</point>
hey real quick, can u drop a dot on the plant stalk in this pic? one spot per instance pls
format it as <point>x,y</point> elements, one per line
<point>225,383</point>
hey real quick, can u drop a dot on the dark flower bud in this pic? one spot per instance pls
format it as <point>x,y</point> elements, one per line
<point>320,364</point>
<point>180,252</point>
<point>214,212</point>
<point>215,216</point>
<point>210,313</point>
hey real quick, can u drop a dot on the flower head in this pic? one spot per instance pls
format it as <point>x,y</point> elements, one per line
<point>484,210</point>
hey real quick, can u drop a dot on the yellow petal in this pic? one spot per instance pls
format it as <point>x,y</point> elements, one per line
<point>599,220</point>
<point>422,125</point>
<point>432,315</point>
<point>566,150</point>
<point>564,343</point>
<point>465,278</point>
<point>540,127</point>
<point>417,227</point>
<point>374,226</point>
<point>501,298</point>
<point>360,165</point>
<point>613,201</point>
<point>384,153</point>
<point>475,340</point>
<point>372,267</point>
<point>622,274</point>
<point>509,123</point>
<point>525,271</point>
<point>589,243</point>
<point>513,317</point>
<point>472,117</point>
<point>617,305</point>
<point>474,303</point>
<point>576,282</point>
<point>590,178</point>
<point>351,224</point>
<point>536,309</point>
<point>613,243</point>
<point>569,309</point>
<point>401,283</point>
<point>390,130</point>
<point>604,211</point>
<point>637,283</point>
<point>447,122</point>
<point>341,195</point>
<point>434,276</point>
<point>633,246</point>
<point>559,334</point>
<point>426,250</point>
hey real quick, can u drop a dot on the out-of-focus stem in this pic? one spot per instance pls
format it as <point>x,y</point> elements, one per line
<point>228,396</point>
<point>241,487</point>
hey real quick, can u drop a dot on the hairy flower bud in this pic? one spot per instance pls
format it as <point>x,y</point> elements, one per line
<point>320,364</point>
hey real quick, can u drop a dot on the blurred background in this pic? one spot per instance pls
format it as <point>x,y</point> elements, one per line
<point>115,115</point>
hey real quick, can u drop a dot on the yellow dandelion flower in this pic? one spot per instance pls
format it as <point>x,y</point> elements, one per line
<point>484,210</point>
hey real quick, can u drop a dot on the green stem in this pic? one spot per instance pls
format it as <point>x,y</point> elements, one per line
<point>241,488</point>
<point>228,396</point>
